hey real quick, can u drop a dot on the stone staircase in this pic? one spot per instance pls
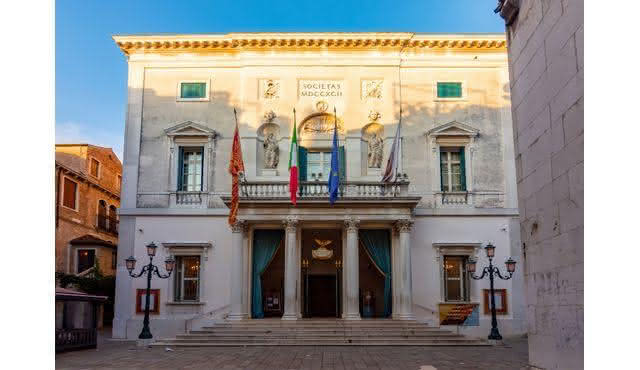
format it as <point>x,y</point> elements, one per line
<point>320,332</point>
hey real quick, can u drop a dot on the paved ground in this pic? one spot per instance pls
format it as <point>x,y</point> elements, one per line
<point>126,355</point>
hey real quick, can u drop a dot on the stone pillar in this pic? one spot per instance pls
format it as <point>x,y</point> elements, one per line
<point>290,269</point>
<point>402,295</point>
<point>237,271</point>
<point>351,272</point>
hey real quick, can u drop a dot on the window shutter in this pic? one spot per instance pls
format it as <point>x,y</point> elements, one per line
<point>342,163</point>
<point>180,167</point>
<point>302,163</point>
<point>442,171</point>
<point>201,168</point>
<point>463,171</point>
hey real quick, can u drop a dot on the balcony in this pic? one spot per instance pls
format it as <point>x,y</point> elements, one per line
<point>108,224</point>
<point>473,199</point>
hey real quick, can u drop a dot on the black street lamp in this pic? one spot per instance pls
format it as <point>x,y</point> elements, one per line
<point>491,269</point>
<point>169,264</point>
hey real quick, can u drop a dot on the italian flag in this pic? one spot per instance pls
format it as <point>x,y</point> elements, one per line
<point>293,163</point>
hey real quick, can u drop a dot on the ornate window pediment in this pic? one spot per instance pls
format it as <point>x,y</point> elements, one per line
<point>453,128</point>
<point>190,128</point>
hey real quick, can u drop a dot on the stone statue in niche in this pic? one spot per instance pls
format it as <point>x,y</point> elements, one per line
<point>375,151</point>
<point>271,151</point>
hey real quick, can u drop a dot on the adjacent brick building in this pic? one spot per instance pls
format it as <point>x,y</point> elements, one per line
<point>546,66</point>
<point>88,179</point>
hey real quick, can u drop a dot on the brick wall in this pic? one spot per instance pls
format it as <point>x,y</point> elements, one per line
<point>546,67</point>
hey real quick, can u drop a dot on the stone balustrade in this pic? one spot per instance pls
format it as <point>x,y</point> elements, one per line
<point>316,189</point>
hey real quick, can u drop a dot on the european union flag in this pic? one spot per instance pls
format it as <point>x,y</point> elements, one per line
<point>334,174</point>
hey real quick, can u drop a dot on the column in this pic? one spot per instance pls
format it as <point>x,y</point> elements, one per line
<point>402,295</point>
<point>290,269</point>
<point>237,276</point>
<point>351,271</point>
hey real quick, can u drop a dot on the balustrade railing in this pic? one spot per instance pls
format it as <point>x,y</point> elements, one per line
<point>318,189</point>
<point>67,339</point>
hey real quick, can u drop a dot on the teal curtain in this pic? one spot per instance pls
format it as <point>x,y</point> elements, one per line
<point>265,245</point>
<point>378,245</point>
<point>463,172</point>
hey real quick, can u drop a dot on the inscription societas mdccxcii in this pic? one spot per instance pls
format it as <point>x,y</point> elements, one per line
<point>321,89</point>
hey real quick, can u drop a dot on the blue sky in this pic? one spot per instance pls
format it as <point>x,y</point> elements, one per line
<point>91,72</point>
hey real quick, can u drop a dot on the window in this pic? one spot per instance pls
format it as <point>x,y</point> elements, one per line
<point>69,193</point>
<point>319,162</point>
<point>119,182</point>
<point>193,90</point>
<point>114,260</point>
<point>449,90</point>
<point>187,280</point>
<point>452,169</point>
<point>102,215</point>
<point>455,279</point>
<point>190,177</point>
<point>94,167</point>
<point>86,259</point>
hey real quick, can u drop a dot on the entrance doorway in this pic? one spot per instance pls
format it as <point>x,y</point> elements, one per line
<point>321,272</point>
<point>322,296</point>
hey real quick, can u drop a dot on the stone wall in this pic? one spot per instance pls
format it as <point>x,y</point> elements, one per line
<point>547,71</point>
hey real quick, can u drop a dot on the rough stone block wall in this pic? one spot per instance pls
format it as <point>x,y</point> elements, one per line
<point>546,65</point>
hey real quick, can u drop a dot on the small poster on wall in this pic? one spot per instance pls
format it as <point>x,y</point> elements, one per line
<point>154,301</point>
<point>500,296</point>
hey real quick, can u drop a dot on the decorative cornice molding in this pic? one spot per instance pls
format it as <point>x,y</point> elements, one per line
<point>453,128</point>
<point>362,40</point>
<point>290,224</point>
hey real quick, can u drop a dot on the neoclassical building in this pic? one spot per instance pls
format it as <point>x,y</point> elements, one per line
<point>383,250</point>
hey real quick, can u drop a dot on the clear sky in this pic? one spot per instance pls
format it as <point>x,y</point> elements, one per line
<point>91,72</point>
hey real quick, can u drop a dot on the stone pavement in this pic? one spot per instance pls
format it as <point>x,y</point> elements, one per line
<point>126,355</point>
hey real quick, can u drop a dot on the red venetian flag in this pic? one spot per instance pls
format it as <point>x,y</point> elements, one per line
<point>293,163</point>
<point>235,167</point>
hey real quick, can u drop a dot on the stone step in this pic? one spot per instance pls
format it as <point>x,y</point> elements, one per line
<point>317,335</point>
<point>307,329</point>
<point>319,343</point>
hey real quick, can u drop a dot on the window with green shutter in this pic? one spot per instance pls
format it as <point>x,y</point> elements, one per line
<point>193,90</point>
<point>449,90</point>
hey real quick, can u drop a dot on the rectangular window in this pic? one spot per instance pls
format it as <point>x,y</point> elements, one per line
<point>69,192</point>
<point>95,167</point>
<point>455,279</point>
<point>119,182</point>
<point>452,170</point>
<point>114,260</point>
<point>86,259</point>
<point>191,169</point>
<point>187,278</point>
<point>319,163</point>
<point>193,90</point>
<point>449,90</point>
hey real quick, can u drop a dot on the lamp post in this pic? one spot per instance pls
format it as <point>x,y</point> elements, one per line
<point>491,270</point>
<point>149,270</point>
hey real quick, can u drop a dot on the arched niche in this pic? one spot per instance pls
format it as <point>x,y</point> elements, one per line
<point>372,132</point>
<point>268,157</point>
<point>316,130</point>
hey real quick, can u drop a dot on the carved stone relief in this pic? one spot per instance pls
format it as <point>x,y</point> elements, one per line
<point>270,89</point>
<point>372,89</point>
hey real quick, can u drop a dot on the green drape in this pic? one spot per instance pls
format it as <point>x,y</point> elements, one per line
<point>342,167</point>
<point>265,245</point>
<point>378,245</point>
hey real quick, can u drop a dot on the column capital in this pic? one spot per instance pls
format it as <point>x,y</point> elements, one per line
<point>404,225</point>
<point>239,226</point>
<point>351,224</point>
<point>290,224</point>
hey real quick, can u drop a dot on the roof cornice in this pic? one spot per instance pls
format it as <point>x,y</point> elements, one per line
<point>130,44</point>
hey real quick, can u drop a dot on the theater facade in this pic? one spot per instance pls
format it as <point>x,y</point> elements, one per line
<point>393,250</point>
